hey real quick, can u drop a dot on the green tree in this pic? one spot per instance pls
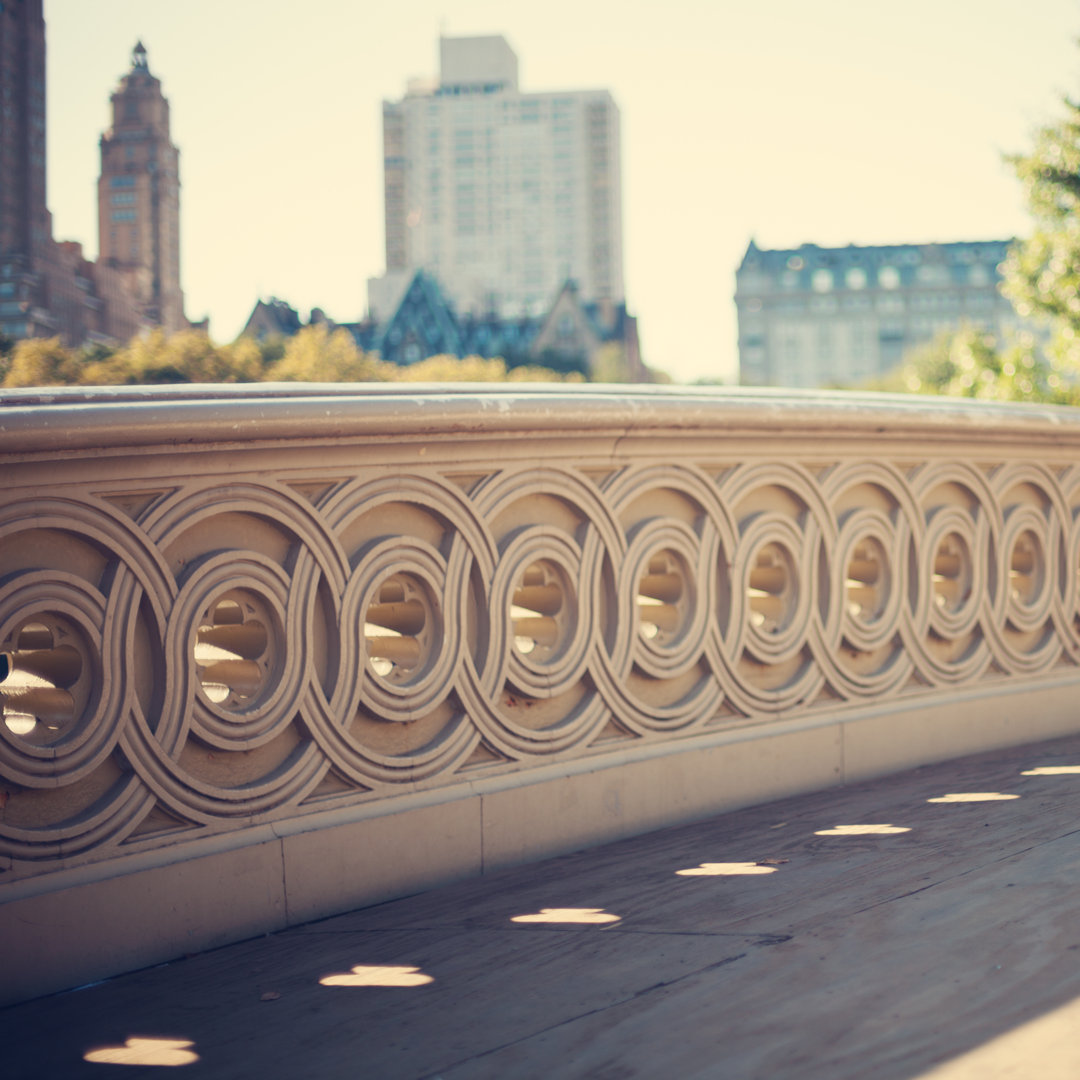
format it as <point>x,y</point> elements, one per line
<point>539,373</point>
<point>564,363</point>
<point>1042,273</point>
<point>42,362</point>
<point>610,364</point>
<point>245,359</point>
<point>478,369</point>
<point>185,357</point>
<point>447,368</point>
<point>970,363</point>
<point>314,354</point>
<point>1041,276</point>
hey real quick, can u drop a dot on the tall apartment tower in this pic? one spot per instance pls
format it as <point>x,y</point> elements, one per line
<point>139,195</point>
<point>502,196</point>
<point>24,219</point>
<point>25,223</point>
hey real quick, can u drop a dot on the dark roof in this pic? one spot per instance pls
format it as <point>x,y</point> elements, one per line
<point>273,316</point>
<point>426,324</point>
<point>961,252</point>
<point>956,257</point>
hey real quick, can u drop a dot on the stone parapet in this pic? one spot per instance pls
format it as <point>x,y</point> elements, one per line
<point>273,652</point>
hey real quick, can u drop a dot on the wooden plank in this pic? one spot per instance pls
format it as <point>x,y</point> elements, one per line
<point>852,955</point>
<point>888,992</point>
<point>487,985</point>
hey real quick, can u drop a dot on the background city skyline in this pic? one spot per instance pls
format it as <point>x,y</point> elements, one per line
<point>831,124</point>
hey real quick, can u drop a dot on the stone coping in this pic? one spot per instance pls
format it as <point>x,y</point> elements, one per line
<point>78,418</point>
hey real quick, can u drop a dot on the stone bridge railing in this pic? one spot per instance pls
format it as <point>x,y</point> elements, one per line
<point>271,653</point>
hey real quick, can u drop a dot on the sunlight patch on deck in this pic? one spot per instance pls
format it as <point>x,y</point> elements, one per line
<point>1052,770</point>
<point>145,1051</point>
<point>862,830</point>
<point>974,796</point>
<point>726,869</point>
<point>568,915</point>
<point>378,975</point>
<point>1045,1047</point>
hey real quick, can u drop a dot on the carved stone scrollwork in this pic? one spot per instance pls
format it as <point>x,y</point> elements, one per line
<point>197,651</point>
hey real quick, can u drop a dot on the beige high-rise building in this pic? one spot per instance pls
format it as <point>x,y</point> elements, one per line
<point>139,195</point>
<point>501,195</point>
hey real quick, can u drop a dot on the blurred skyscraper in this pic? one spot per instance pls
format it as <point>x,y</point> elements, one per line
<point>503,196</point>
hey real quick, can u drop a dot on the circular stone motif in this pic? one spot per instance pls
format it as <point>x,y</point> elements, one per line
<point>44,679</point>
<point>400,629</point>
<point>235,651</point>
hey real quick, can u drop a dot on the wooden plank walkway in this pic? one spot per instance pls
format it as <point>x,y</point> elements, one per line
<point>870,931</point>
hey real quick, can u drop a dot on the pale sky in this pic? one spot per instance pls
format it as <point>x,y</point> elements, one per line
<point>834,122</point>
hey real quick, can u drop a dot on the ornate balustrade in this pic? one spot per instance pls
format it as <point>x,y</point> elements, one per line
<point>270,653</point>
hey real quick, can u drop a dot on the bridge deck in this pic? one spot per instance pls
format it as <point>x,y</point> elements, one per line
<point>808,945</point>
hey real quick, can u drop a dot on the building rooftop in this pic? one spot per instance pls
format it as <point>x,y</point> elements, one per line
<point>477,62</point>
<point>954,253</point>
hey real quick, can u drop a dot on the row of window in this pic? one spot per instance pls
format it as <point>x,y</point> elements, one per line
<point>856,278</point>
<point>890,304</point>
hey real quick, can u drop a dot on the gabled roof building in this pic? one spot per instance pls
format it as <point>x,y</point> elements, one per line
<point>272,318</point>
<point>566,337</point>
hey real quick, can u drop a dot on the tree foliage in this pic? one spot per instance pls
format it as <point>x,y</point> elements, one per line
<point>42,362</point>
<point>971,363</point>
<point>185,357</point>
<point>610,365</point>
<point>1041,276</point>
<point>476,369</point>
<point>316,353</point>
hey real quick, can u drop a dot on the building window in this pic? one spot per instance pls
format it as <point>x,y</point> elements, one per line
<point>932,275</point>
<point>123,198</point>
<point>856,278</point>
<point>123,215</point>
<point>888,277</point>
<point>822,280</point>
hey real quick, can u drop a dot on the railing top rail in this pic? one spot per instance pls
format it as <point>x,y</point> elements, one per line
<point>77,418</point>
